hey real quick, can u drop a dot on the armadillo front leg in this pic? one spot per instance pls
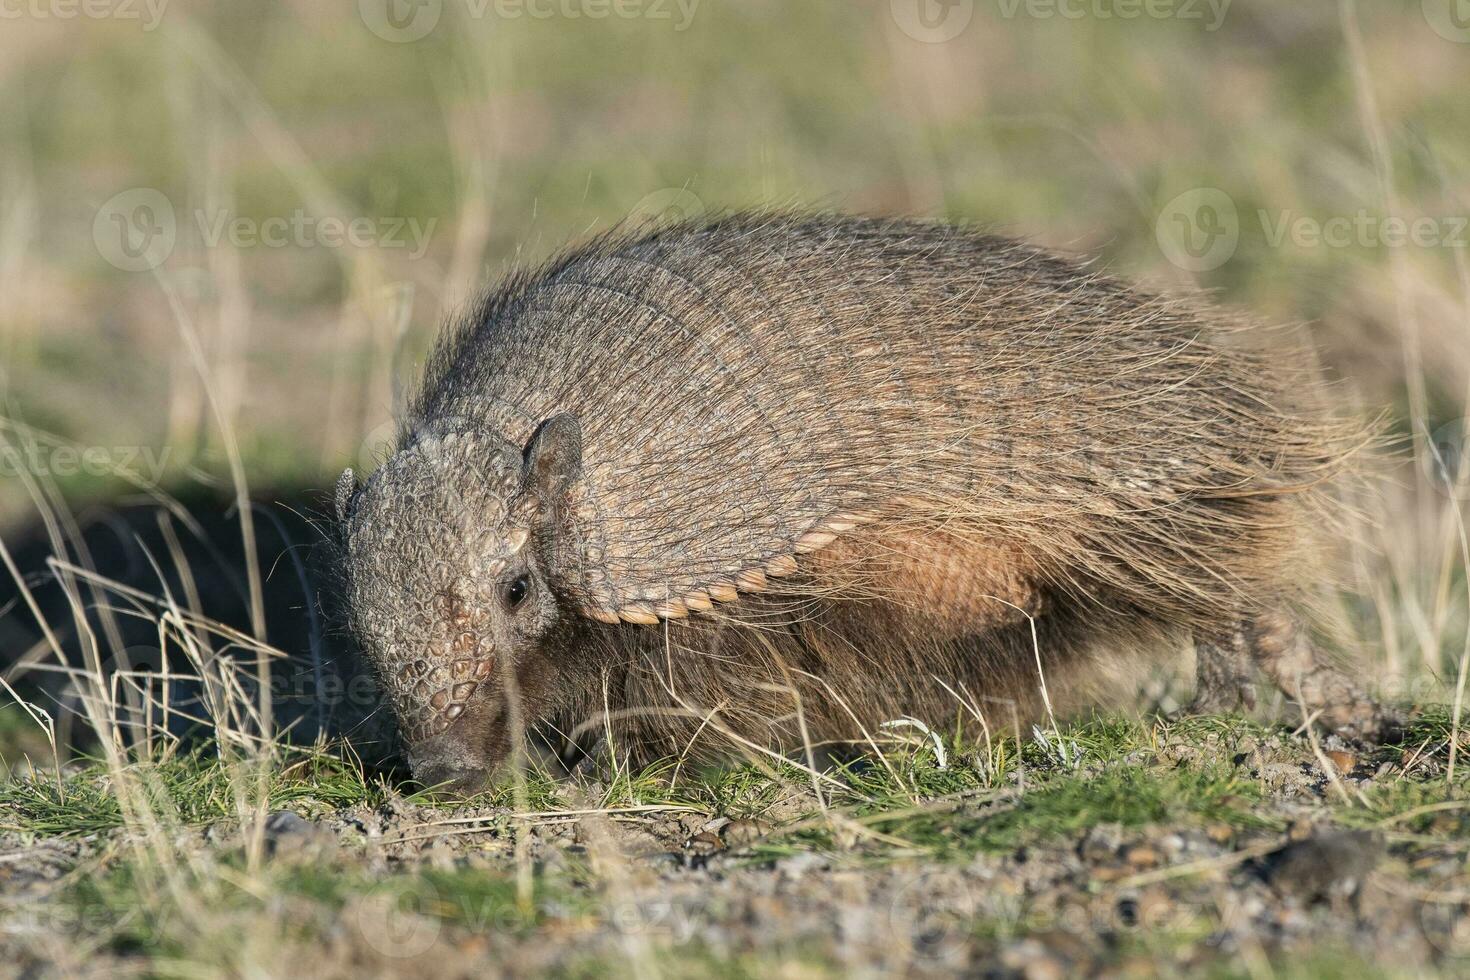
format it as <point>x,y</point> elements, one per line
<point>1281,648</point>
<point>1224,675</point>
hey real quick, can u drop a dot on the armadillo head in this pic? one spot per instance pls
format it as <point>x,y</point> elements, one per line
<point>449,586</point>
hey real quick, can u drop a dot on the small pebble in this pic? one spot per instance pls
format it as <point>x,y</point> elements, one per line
<point>1326,865</point>
<point>1141,856</point>
<point>743,833</point>
<point>1220,833</point>
<point>283,823</point>
<point>798,865</point>
<point>1100,843</point>
<point>288,833</point>
<point>1301,829</point>
<point>1033,961</point>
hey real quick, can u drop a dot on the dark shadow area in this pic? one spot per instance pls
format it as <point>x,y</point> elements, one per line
<point>143,556</point>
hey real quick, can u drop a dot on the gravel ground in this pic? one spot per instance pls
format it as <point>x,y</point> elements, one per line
<point>1315,883</point>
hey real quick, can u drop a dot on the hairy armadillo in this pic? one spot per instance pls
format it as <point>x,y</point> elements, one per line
<point>775,479</point>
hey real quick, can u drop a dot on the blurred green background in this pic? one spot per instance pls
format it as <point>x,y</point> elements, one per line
<point>173,178</point>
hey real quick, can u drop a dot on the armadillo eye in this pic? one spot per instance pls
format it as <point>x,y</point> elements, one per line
<point>515,592</point>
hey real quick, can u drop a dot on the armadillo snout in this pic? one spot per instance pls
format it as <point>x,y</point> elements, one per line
<point>447,763</point>
<point>448,720</point>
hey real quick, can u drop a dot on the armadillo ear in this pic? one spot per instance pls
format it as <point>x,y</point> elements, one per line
<point>554,457</point>
<point>346,489</point>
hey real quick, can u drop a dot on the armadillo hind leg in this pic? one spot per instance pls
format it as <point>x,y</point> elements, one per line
<point>1280,647</point>
<point>1225,676</point>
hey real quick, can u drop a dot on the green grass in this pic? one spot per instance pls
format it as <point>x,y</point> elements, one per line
<point>195,789</point>
<point>1111,774</point>
<point>303,903</point>
<point>1130,797</point>
<point>1117,771</point>
<point>1134,774</point>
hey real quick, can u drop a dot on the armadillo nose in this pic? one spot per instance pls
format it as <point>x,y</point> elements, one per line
<point>445,767</point>
<point>448,779</point>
